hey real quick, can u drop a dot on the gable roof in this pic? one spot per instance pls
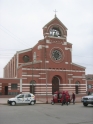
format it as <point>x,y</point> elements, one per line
<point>55,19</point>
<point>78,65</point>
<point>23,51</point>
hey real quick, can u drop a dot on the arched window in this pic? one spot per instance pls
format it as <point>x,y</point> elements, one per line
<point>26,58</point>
<point>89,86</point>
<point>77,83</point>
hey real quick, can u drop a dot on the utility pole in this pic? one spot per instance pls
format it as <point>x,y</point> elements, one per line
<point>46,72</point>
<point>32,77</point>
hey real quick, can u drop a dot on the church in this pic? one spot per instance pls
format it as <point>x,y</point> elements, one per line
<point>45,68</point>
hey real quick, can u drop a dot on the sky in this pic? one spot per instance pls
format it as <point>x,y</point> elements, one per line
<point>21,23</point>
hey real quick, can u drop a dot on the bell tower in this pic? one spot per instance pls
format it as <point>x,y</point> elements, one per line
<point>55,29</point>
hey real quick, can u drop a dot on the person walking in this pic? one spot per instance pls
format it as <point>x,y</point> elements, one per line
<point>73,98</point>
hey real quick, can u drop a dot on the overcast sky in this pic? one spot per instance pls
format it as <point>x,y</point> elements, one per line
<point>21,23</point>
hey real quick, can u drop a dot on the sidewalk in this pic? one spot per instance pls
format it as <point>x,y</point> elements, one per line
<point>77,100</point>
<point>3,101</point>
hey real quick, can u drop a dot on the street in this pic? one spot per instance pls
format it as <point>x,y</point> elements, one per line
<point>46,114</point>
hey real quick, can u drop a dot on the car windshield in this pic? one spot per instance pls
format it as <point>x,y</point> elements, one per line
<point>18,95</point>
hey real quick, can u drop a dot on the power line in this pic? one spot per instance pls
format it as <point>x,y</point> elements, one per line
<point>4,49</point>
<point>83,56</point>
<point>17,38</point>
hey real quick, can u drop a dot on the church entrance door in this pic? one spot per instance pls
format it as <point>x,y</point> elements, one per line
<point>55,84</point>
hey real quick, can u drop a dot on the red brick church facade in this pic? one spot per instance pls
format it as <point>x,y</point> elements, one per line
<point>45,68</point>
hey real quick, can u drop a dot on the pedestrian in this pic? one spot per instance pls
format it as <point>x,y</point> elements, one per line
<point>64,99</point>
<point>88,92</point>
<point>67,98</point>
<point>73,98</point>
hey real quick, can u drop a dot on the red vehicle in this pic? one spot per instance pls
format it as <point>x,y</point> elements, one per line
<point>57,97</point>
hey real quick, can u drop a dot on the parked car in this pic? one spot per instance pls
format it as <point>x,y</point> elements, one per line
<point>28,98</point>
<point>87,100</point>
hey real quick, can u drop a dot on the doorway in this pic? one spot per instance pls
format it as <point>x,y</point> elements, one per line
<point>55,84</point>
<point>32,89</point>
<point>77,87</point>
<point>6,90</point>
<point>32,86</point>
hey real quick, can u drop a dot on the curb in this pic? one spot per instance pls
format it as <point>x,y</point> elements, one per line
<point>36,103</point>
<point>24,103</point>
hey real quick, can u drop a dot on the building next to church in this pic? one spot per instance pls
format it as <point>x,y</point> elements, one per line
<point>45,68</point>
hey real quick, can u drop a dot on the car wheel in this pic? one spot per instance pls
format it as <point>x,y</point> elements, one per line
<point>85,104</point>
<point>52,103</point>
<point>13,103</point>
<point>32,103</point>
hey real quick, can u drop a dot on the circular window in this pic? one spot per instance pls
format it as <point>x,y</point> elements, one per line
<point>56,54</point>
<point>26,58</point>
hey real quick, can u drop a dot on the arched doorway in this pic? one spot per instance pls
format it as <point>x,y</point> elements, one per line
<point>32,86</point>
<point>55,84</point>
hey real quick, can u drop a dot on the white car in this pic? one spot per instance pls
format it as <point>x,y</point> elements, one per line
<point>28,98</point>
<point>87,100</point>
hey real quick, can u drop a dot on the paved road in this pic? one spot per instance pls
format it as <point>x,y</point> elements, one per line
<point>46,114</point>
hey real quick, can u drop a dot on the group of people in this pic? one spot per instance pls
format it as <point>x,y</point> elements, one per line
<point>65,98</point>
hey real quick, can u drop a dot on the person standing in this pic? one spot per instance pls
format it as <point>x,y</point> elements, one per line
<point>73,98</point>
<point>64,99</point>
<point>88,92</point>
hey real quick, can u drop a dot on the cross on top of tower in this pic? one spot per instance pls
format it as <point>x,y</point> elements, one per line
<point>55,12</point>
